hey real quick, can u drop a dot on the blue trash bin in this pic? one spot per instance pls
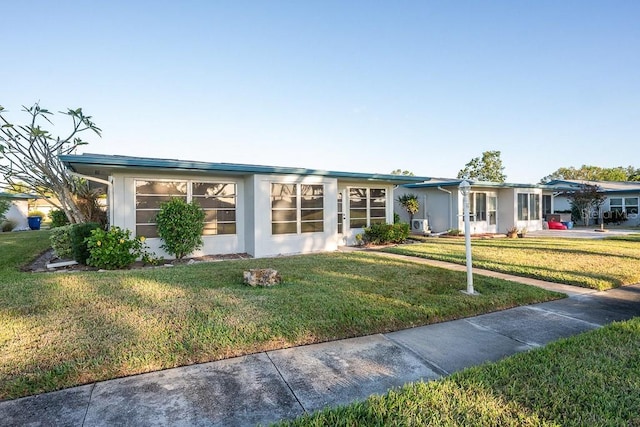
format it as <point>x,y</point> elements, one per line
<point>34,222</point>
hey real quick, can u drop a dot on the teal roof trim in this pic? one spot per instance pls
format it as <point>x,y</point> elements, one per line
<point>21,196</point>
<point>476,184</point>
<point>110,161</point>
<point>606,187</point>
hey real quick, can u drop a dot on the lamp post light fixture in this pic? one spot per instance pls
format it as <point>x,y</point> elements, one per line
<point>465,189</point>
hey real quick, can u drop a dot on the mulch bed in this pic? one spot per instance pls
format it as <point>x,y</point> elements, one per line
<point>39,265</point>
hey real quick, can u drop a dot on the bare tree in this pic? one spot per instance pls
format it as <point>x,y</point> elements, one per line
<point>585,202</point>
<point>29,156</point>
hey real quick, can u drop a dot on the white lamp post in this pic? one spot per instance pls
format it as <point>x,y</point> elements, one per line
<point>465,189</point>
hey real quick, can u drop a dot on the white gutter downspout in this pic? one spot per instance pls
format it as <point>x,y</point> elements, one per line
<point>450,206</point>
<point>109,185</point>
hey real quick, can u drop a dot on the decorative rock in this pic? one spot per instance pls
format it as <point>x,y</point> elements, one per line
<point>262,277</point>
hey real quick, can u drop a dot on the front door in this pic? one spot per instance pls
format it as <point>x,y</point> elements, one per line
<point>484,212</point>
<point>492,213</point>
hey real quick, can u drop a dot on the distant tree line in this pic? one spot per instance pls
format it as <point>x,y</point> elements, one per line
<point>594,173</point>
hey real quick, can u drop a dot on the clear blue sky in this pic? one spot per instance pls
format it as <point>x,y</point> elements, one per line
<point>367,86</point>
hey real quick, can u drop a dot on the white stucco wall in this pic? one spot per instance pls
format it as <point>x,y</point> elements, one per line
<point>507,205</point>
<point>268,244</point>
<point>531,224</point>
<point>348,236</point>
<point>124,215</point>
<point>17,213</point>
<point>253,214</point>
<point>436,206</point>
<point>561,203</point>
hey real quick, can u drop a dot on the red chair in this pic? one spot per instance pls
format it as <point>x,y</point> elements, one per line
<point>554,225</point>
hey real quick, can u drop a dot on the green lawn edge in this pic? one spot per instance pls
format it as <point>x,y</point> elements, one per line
<point>589,379</point>
<point>591,263</point>
<point>67,329</point>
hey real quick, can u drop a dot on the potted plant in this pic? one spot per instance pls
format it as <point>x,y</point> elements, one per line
<point>512,232</point>
<point>522,232</point>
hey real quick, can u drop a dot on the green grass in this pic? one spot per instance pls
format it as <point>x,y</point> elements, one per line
<point>627,237</point>
<point>592,379</point>
<point>64,329</point>
<point>597,264</point>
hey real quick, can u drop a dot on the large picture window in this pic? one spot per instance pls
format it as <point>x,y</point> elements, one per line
<point>150,195</point>
<point>528,207</point>
<point>627,205</point>
<point>218,200</point>
<point>367,206</point>
<point>297,208</point>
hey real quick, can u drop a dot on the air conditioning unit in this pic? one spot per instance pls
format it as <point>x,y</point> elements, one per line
<point>420,226</point>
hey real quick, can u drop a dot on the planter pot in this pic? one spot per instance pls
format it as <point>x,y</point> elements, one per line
<point>34,222</point>
<point>512,235</point>
<point>520,235</point>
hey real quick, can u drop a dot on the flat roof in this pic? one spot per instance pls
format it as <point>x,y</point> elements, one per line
<point>23,196</point>
<point>77,163</point>
<point>484,184</point>
<point>603,186</point>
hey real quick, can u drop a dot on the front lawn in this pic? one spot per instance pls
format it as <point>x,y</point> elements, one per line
<point>65,329</point>
<point>597,264</point>
<point>592,379</point>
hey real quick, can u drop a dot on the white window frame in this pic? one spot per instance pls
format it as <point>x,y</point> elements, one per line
<point>529,208</point>
<point>298,208</point>
<point>368,207</point>
<point>624,207</point>
<point>189,198</point>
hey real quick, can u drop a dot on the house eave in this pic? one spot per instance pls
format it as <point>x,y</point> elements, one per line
<point>78,163</point>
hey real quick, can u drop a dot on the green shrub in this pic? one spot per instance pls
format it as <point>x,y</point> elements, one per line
<point>58,218</point>
<point>379,234</point>
<point>615,217</point>
<point>458,232</point>
<point>114,249</point>
<point>79,234</point>
<point>5,204</point>
<point>180,225</point>
<point>7,225</point>
<point>61,241</point>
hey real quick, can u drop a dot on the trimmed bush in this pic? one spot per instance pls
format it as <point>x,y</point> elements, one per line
<point>614,217</point>
<point>379,234</point>
<point>79,234</point>
<point>180,225</point>
<point>58,218</point>
<point>7,225</point>
<point>113,249</point>
<point>61,241</point>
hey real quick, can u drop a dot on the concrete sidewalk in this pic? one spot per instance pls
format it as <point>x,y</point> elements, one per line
<point>267,387</point>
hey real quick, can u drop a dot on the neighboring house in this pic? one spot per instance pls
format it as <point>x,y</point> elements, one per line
<point>43,205</point>
<point>621,197</point>
<point>494,207</point>
<point>18,210</point>
<point>261,210</point>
